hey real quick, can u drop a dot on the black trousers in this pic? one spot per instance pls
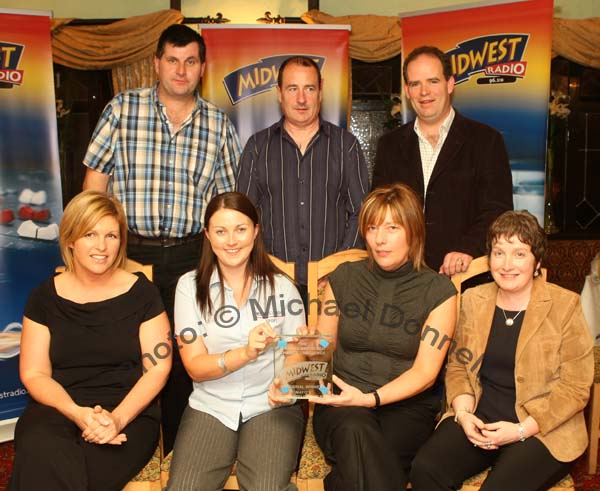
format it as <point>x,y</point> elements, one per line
<point>448,458</point>
<point>169,263</point>
<point>51,455</point>
<point>372,449</point>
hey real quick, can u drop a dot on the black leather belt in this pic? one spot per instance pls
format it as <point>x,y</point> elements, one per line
<point>134,239</point>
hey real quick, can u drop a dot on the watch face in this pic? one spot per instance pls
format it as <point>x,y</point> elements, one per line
<point>221,363</point>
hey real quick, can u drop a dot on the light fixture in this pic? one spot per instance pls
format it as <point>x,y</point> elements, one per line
<point>269,19</point>
<point>218,19</point>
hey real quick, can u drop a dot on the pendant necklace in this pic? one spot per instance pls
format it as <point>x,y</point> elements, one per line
<point>509,321</point>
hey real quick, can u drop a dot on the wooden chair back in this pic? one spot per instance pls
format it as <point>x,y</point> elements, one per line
<point>288,268</point>
<point>478,266</point>
<point>320,269</point>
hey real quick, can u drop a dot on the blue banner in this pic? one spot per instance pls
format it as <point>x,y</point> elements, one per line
<point>30,192</point>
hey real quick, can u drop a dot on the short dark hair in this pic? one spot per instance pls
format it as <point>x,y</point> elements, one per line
<point>431,51</point>
<point>180,35</point>
<point>298,60</point>
<point>523,225</point>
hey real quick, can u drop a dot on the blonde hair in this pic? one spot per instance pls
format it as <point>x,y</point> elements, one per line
<point>82,213</point>
<point>406,210</point>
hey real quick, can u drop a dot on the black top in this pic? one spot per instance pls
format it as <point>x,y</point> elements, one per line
<point>381,319</point>
<point>497,372</point>
<point>94,347</point>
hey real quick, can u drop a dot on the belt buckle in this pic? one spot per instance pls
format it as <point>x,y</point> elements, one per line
<point>168,242</point>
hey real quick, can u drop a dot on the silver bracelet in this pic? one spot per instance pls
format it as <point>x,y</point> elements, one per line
<point>461,410</point>
<point>521,431</point>
<point>221,363</point>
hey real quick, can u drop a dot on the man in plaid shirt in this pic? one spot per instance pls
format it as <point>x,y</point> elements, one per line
<point>165,152</point>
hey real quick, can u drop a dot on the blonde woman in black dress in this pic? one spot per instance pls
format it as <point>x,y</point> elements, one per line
<point>93,421</point>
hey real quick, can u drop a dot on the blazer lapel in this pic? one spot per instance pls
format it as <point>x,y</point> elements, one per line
<point>539,305</point>
<point>413,153</point>
<point>452,145</point>
<point>483,315</point>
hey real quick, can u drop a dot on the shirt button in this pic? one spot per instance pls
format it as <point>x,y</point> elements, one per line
<point>301,203</point>
<point>520,379</point>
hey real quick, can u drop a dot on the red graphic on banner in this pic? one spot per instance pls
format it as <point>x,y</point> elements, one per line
<point>10,56</point>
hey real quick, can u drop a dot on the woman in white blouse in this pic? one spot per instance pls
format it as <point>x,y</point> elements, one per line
<point>228,313</point>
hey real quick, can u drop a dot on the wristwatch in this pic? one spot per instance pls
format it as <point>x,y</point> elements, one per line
<point>377,399</point>
<point>221,363</point>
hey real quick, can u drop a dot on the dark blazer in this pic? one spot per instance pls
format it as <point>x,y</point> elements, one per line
<point>554,362</point>
<point>470,185</point>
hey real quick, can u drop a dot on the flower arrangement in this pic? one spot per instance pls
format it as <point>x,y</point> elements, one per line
<point>61,110</point>
<point>396,110</point>
<point>558,109</point>
<point>559,105</point>
<point>394,106</point>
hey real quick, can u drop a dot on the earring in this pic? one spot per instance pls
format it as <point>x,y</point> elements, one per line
<point>536,273</point>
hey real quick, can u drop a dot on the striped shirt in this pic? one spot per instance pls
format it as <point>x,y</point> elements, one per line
<point>430,153</point>
<point>309,203</point>
<point>164,179</point>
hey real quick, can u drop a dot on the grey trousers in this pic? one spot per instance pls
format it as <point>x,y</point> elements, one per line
<point>266,448</point>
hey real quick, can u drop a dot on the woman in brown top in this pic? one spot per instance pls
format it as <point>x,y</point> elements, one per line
<point>518,389</point>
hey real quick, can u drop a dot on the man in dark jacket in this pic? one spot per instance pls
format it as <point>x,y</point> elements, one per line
<point>459,167</point>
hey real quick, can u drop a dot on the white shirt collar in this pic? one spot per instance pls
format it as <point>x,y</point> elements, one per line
<point>444,127</point>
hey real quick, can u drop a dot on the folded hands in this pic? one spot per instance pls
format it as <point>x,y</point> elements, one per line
<point>100,426</point>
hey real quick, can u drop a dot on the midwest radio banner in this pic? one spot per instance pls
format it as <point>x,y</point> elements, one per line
<point>501,62</point>
<point>243,63</point>
<point>30,195</point>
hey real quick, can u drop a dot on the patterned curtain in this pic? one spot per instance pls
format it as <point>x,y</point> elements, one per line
<point>137,74</point>
<point>377,38</point>
<point>126,47</point>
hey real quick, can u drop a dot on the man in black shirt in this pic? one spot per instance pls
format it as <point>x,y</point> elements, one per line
<point>307,176</point>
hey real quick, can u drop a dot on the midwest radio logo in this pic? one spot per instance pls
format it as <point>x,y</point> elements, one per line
<point>10,57</point>
<point>257,78</point>
<point>499,57</point>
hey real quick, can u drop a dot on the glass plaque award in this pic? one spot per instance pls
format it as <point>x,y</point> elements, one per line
<point>305,369</point>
